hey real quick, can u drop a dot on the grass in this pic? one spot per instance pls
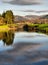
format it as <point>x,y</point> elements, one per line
<point>4,28</point>
<point>7,27</point>
<point>33,25</point>
<point>40,27</point>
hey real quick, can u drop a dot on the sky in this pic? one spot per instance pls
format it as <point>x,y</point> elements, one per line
<point>25,7</point>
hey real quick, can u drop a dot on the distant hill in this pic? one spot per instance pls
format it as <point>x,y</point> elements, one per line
<point>44,17</point>
<point>25,18</point>
<point>20,18</point>
<point>30,17</point>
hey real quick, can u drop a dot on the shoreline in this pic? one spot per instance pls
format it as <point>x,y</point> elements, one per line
<point>19,27</point>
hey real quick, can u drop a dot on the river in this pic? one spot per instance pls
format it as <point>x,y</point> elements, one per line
<point>23,48</point>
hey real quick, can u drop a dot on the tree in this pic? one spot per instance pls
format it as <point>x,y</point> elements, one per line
<point>9,17</point>
<point>2,20</point>
<point>25,27</point>
<point>3,14</point>
<point>0,15</point>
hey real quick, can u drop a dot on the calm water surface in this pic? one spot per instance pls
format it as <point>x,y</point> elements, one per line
<point>23,48</point>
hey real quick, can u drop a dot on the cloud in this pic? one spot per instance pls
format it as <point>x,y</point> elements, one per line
<point>43,11</point>
<point>6,0</point>
<point>23,2</point>
<point>27,10</point>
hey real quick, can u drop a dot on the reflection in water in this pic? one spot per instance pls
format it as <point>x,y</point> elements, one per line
<point>8,38</point>
<point>23,51</point>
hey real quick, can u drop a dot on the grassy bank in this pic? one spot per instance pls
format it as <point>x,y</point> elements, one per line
<point>4,28</point>
<point>40,27</point>
<point>7,27</point>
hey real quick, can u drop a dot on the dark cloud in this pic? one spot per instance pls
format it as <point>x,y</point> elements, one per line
<point>23,2</point>
<point>43,11</point>
<point>27,10</point>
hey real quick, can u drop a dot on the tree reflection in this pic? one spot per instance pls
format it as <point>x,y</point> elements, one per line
<point>8,38</point>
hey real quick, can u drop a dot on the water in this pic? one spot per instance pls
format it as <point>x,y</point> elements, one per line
<point>23,48</point>
<point>31,38</point>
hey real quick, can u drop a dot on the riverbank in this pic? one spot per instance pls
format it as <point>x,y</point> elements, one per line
<point>7,27</point>
<point>40,27</point>
<point>19,26</point>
